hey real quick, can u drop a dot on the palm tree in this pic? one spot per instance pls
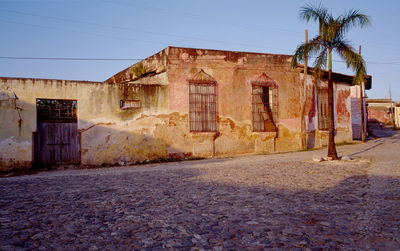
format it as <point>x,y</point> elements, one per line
<point>331,37</point>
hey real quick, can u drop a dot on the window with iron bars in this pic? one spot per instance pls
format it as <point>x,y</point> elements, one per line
<point>202,107</point>
<point>264,108</point>
<point>323,114</point>
<point>56,110</point>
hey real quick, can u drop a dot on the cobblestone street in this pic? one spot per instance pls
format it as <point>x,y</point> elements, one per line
<point>254,202</point>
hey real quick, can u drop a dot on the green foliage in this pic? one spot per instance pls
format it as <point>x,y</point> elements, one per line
<point>138,70</point>
<point>331,38</point>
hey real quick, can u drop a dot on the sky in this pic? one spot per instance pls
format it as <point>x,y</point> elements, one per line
<point>127,31</point>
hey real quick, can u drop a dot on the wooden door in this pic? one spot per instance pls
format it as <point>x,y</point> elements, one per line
<point>57,141</point>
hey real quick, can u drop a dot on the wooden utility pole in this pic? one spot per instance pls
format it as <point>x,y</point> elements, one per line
<point>362,106</point>
<point>306,56</point>
<point>392,113</point>
<point>303,97</point>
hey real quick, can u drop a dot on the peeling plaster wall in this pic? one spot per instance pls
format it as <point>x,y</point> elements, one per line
<point>343,119</point>
<point>397,116</point>
<point>109,134</point>
<point>378,114</point>
<point>343,124</point>
<point>380,111</point>
<point>159,129</point>
<point>356,112</point>
<point>233,72</point>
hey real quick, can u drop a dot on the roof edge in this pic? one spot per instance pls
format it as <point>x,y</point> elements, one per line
<point>247,52</point>
<point>109,80</point>
<point>52,79</point>
<point>348,79</point>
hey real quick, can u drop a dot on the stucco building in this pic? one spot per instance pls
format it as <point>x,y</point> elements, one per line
<point>357,97</point>
<point>178,103</point>
<point>381,111</point>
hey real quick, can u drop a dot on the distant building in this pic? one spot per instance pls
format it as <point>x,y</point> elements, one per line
<point>397,115</point>
<point>179,103</point>
<point>381,111</point>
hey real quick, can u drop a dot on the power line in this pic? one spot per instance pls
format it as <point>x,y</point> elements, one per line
<point>82,32</point>
<point>135,59</point>
<point>117,27</point>
<point>111,26</point>
<point>192,15</point>
<point>73,59</point>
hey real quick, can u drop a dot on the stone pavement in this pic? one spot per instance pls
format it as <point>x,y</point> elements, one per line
<point>257,202</point>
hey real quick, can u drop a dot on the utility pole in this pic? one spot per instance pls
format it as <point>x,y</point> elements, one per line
<point>362,106</point>
<point>391,108</point>
<point>303,97</point>
<point>306,57</point>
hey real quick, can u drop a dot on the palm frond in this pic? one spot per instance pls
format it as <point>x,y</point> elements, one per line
<point>331,36</point>
<point>314,12</point>
<point>353,60</point>
<point>353,18</point>
<point>320,63</point>
<point>330,30</point>
<point>306,49</point>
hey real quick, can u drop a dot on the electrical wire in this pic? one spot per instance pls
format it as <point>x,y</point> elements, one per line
<point>72,59</point>
<point>139,59</point>
<point>117,27</point>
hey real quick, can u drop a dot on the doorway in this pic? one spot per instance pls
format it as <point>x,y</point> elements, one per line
<point>56,141</point>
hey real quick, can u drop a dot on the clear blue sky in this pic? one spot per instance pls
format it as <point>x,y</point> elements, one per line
<point>139,28</point>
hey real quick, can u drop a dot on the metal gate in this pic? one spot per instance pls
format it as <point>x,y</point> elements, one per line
<point>56,141</point>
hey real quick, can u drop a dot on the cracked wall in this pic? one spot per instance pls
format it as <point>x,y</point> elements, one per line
<point>157,128</point>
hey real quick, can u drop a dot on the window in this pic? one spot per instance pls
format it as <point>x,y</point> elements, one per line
<point>323,114</point>
<point>264,109</point>
<point>56,110</point>
<point>202,107</point>
<point>264,104</point>
<point>127,104</point>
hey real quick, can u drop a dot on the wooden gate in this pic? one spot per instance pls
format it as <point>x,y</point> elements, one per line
<point>57,141</point>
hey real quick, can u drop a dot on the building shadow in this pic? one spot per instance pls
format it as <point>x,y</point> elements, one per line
<point>168,208</point>
<point>379,130</point>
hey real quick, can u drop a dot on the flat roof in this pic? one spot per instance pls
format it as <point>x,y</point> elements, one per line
<point>51,79</point>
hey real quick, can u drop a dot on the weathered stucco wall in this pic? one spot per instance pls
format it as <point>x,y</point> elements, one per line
<point>379,114</point>
<point>381,110</point>
<point>153,120</point>
<point>343,119</point>
<point>343,122</point>
<point>356,112</point>
<point>397,116</point>
<point>233,72</point>
<point>109,134</point>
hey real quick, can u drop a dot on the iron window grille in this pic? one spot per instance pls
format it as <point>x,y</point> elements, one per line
<point>264,104</point>
<point>323,112</point>
<point>128,104</point>
<point>202,106</point>
<point>56,110</point>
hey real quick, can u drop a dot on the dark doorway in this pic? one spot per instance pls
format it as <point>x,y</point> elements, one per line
<point>56,141</point>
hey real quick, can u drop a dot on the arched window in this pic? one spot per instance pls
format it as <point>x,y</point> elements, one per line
<point>202,103</point>
<point>264,104</point>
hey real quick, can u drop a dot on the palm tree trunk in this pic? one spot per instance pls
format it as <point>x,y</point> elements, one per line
<point>331,143</point>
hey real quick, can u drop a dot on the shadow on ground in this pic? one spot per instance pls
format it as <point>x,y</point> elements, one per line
<point>381,131</point>
<point>184,209</point>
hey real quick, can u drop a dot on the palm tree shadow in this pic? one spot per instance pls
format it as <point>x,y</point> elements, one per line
<point>189,208</point>
<point>366,150</point>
